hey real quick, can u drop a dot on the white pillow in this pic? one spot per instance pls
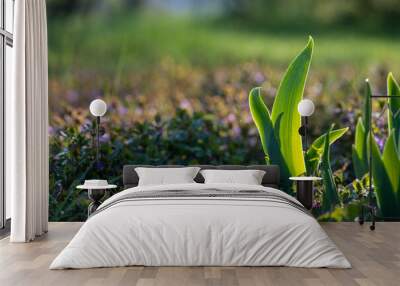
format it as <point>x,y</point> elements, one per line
<point>165,176</point>
<point>248,177</point>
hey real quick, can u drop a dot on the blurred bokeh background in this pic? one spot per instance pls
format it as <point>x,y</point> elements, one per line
<point>150,58</point>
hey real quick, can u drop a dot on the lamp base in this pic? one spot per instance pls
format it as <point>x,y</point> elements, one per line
<point>371,211</point>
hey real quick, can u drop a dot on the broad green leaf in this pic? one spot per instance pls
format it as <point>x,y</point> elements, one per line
<point>360,147</point>
<point>330,196</point>
<point>277,126</point>
<point>261,116</point>
<point>391,161</point>
<point>360,139</point>
<point>394,107</point>
<point>383,188</point>
<point>366,111</point>
<point>289,94</point>
<point>358,164</point>
<point>314,153</point>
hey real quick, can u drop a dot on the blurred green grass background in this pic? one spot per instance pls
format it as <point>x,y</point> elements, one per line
<point>139,39</point>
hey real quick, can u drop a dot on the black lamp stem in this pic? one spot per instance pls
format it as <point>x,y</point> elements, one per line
<point>305,133</point>
<point>305,122</point>
<point>97,139</point>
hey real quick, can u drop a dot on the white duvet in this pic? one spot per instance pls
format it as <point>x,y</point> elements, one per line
<point>200,231</point>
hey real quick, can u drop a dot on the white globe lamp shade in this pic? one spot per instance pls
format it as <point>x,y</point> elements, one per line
<point>306,107</point>
<point>98,107</point>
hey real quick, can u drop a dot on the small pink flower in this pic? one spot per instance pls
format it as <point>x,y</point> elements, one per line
<point>185,104</point>
<point>231,118</point>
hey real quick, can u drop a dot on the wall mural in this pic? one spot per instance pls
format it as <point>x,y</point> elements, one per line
<point>219,83</point>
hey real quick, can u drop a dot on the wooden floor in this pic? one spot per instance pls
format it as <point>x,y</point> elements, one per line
<point>375,257</point>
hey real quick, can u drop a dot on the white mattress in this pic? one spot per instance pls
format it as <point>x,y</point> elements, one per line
<point>200,231</point>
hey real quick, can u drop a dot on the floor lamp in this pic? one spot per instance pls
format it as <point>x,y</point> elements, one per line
<point>98,108</point>
<point>306,109</point>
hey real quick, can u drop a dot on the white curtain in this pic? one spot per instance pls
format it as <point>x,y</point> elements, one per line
<point>27,124</point>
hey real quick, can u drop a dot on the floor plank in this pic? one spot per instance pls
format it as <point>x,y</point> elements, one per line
<point>375,257</point>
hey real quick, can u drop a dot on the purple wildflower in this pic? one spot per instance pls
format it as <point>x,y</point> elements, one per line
<point>259,77</point>
<point>122,110</point>
<point>105,138</point>
<point>86,126</point>
<point>95,94</point>
<point>316,205</point>
<point>237,131</point>
<point>51,130</point>
<point>253,141</point>
<point>72,96</point>
<point>380,142</point>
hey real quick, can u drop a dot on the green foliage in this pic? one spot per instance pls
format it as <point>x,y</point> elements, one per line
<point>393,88</point>
<point>330,197</point>
<point>366,109</point>
<point>359,149</point>
<point>361,187</point>
<point>391,163</point>
<point>314,153</point>
<point>385,166</point>
<point>340,213</point>
<point>382,184</point>
<point>268,134</point>
<point>183,139</point>
<point>288,96</point>
<point>279,131</point>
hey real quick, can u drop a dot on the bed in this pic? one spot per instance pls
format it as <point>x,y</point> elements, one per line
<point>197,224</point>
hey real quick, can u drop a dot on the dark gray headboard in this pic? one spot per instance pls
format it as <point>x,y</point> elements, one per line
<point>271,177</point>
